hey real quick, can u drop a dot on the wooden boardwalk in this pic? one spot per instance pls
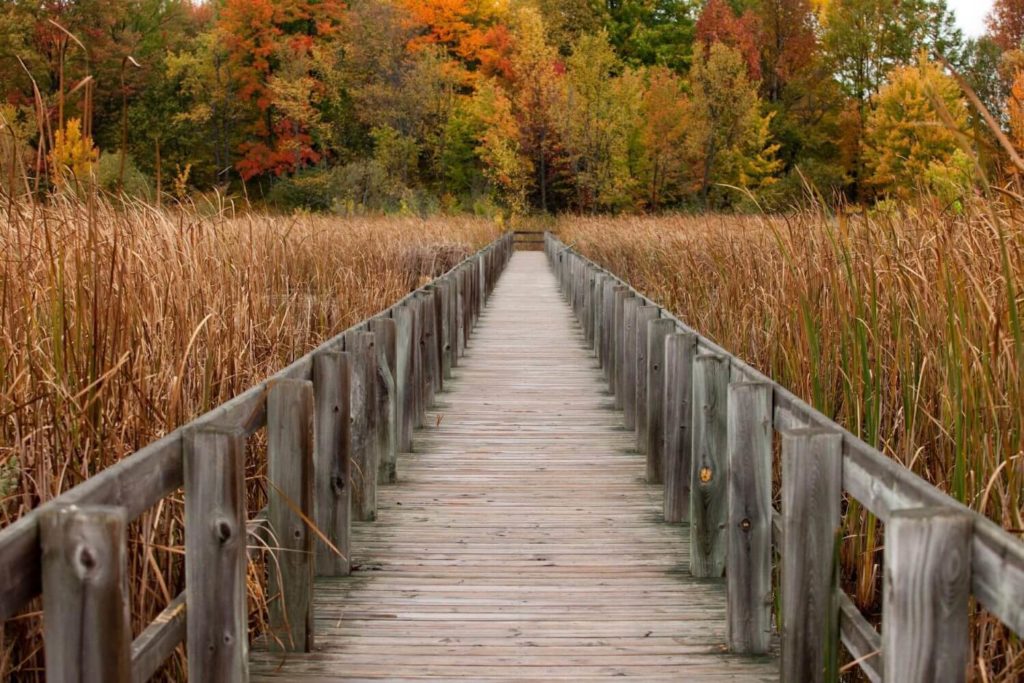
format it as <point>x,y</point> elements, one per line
<point>521,541</point>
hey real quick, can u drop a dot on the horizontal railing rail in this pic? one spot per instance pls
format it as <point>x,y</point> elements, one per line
<point>701,412</point>
<point>335,420</point>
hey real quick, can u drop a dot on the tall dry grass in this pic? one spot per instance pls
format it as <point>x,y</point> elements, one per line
<point>906,328</point>
<point>120,323</point>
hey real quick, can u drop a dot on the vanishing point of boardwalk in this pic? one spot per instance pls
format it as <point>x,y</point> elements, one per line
<point>521,541</point>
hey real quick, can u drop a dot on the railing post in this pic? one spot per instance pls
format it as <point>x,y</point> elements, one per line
<point>428,348</point>
<point>654,410</point>
<point>627,371</point>
<point>333,500</point>
<point>460,312</point>
<point>597,315</point>
<point>749,535</point>
<point>709,471</point>
<point>588,302</point>
<point>811,497</point>
<point>680,352</point>
<point>607,327</point>
<point>87,629</point>
<point>926,599</point>
<point>386,336</point>
<point>215,556</point>
<point>362,349</point>
<point>290,439</point>
<point>452,338</point>
<point>415,388</point>
<point>403,317</point>
<point>644,316</point>
<point>622,294</point>
<point>443,303</point>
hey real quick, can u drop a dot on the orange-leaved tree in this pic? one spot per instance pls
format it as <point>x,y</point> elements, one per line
<point>265,40</point>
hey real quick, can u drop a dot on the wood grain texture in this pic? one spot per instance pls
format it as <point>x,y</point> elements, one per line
<point>215,557</point>
<point>627,375</point>
<point>644,316</point>
<point>522,542</point>
<point>154,645</point>
<point>85,594</point>
<point>290,478</point>
<point>654,408</point>
<point>926,596</point>
<point>709,470</point>
<point>622,294</point>
<point>811,496</point>
<point>386,335</point>
<point>749,519</point>
<point>333,465</point>
<point>361,347</point>
<point>680,352</point>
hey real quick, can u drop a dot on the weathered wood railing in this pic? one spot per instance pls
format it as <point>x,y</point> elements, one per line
<point>335,421</point>
<point>707,420</point>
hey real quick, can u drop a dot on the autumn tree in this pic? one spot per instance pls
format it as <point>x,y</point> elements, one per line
<point>262,39</point>
<point>788,42</point>
<point>470,32</point>
<point>508,169</point>
<point>663,116</point>
<point>727,135</point>
<point>598,122</point>
<point>865,39</point>
<point>911,133</point>
<point>1006,23</point>
<point>536,97</point>
<point>718,23</point>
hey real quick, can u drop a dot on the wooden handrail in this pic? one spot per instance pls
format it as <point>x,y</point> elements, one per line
<point>879,483</point>
<point>143,478</point>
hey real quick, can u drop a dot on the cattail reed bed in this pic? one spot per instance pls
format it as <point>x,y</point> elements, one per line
<point>904,327</point>
<point>122,322</point>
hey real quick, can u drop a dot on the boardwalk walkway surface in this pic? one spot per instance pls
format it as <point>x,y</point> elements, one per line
<point>521,541</point>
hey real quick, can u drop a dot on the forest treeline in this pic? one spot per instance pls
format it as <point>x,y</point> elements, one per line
<point>487,105</point>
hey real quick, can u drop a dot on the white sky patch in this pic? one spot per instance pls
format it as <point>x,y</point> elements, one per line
<point>970,15</point>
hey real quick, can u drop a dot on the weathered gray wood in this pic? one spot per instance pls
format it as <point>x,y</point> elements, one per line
<point>86,624</point>
<point>365,457</point>
<point>749,535</point>
<point>404,376</point>
<point>644,316</point>
<point>680,353</point>
<point>416,388</point>
<point>926,596</point>
<point>622,294</point>
<point>460,314</point>
<point>453,318</point>
<point>597,315</point>
<point>430,349</point>
<point>333,500</point>
<point>860,638</point>
<point>709,471</point>
<point>442,292</point>
<point>627,374</point>
<point>158,641</point>
<point>386,335</point>
<point>811,498</point>
<point>215,557</point>
<point>657,332</point>
<point>290,479</point>
<point>607,329</point>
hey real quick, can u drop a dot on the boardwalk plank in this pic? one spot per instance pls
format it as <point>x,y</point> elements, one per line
<point>521,540</point>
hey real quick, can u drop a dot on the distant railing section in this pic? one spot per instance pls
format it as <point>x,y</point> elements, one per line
<point>335,421</point>
<point>706,421</point>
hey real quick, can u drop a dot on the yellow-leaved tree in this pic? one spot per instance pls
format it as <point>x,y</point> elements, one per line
<point>913,135</point>
<point>73,156</point>
<point>727,135</point>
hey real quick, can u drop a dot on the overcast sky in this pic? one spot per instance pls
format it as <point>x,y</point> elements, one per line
<point>970,14</point>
